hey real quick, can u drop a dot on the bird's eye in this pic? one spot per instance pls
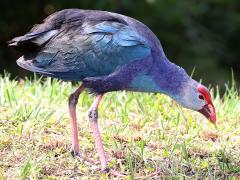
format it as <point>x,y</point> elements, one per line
<point>201,97</point>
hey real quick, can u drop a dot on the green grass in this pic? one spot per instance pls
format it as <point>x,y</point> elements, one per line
<point>141,133</point>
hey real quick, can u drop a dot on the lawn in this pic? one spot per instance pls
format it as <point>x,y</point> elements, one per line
<point>142,133</point>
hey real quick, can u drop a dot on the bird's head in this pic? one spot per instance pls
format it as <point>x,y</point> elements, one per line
<point>207,109</point>
<point>197,97</point>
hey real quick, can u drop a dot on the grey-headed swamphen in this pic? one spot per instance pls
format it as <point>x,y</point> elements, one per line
<point>106,52</point>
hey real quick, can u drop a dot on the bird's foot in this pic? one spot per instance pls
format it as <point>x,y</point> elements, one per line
<point>106,170</point>
<point>75,150</point>
<point>90,162</point>
<point>74,153</point>
<point>86,160</point>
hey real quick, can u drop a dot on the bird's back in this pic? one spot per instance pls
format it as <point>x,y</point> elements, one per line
<point>73,44</point>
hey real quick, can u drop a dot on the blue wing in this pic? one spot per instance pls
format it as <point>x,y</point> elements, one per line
<point>93,49</point>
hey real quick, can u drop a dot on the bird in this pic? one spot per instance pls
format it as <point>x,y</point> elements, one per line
<point>106,52</point>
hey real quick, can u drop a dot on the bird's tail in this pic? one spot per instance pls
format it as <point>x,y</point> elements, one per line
<point>37,59</point>
<point>32,41</point>
<point>30,45</point>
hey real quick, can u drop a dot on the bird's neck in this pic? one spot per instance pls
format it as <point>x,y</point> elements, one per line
<point>170,78</point>
<point>162,77</point>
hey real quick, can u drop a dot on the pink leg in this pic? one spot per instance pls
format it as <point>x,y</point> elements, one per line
<point>73,100</point>
<point>93,116</point>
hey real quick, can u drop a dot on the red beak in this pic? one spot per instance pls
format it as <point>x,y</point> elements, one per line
<point>209,112</point>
